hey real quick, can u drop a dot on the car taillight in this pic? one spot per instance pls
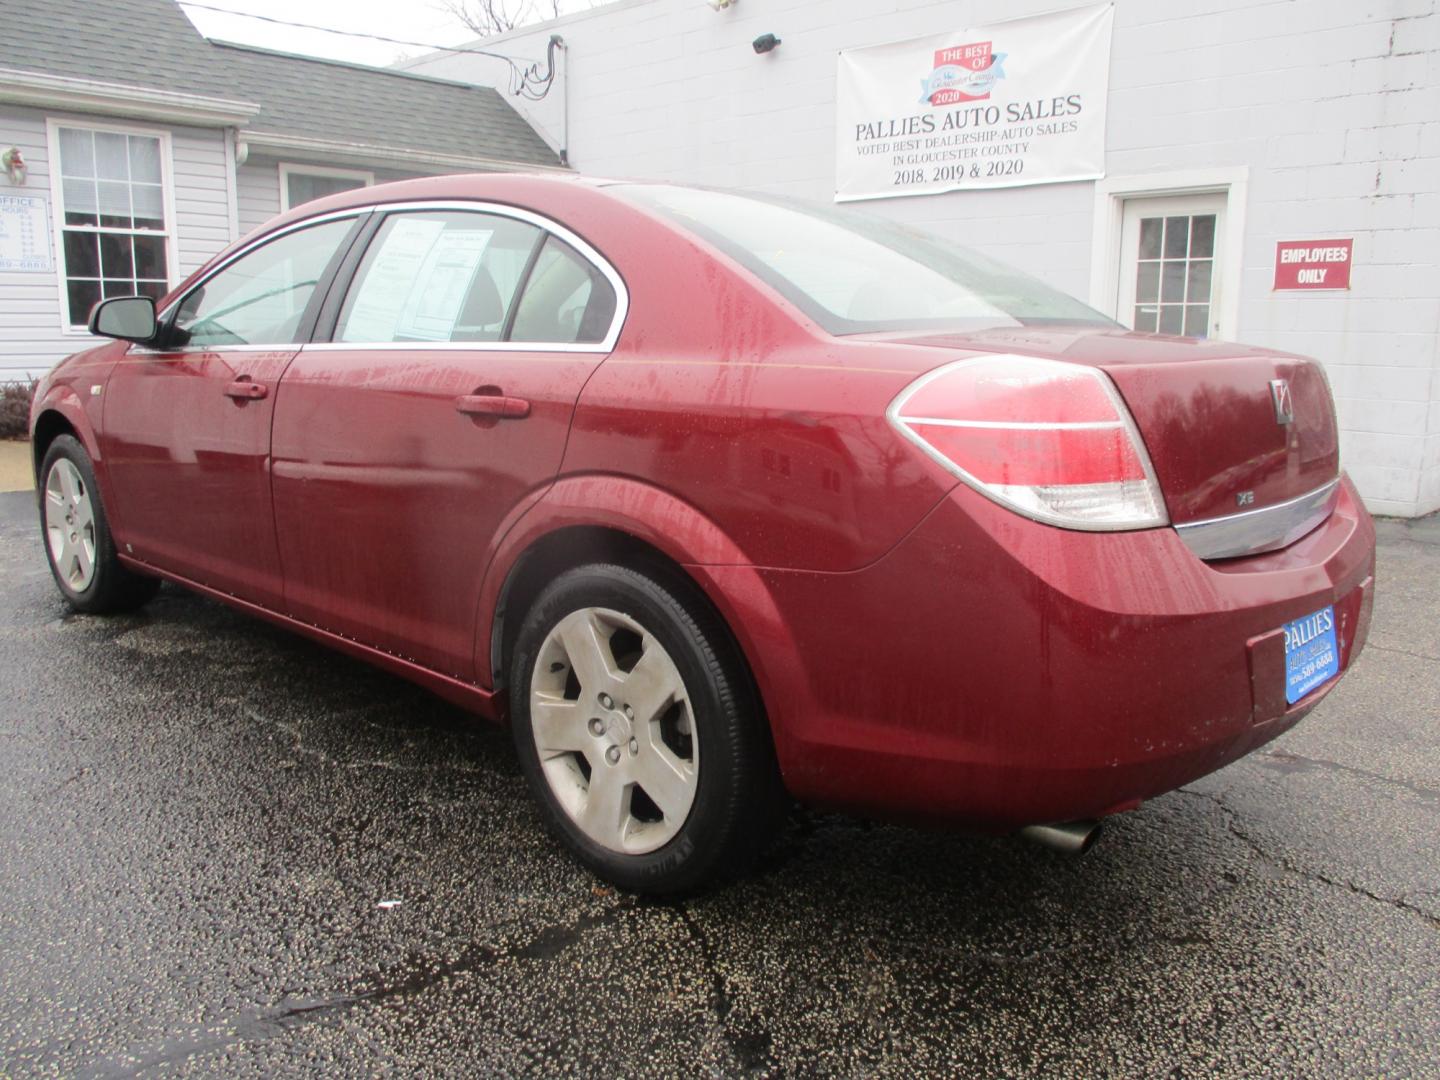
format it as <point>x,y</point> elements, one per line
<point>1050,440</point>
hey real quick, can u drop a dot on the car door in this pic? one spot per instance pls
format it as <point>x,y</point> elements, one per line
<point>187,424</point>
<point>442,401</point>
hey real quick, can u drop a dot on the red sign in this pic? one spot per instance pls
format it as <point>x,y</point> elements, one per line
<point>1313,264</point>
<point>975,57</point>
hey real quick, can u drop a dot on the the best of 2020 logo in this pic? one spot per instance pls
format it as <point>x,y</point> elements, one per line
<point>962,73</point>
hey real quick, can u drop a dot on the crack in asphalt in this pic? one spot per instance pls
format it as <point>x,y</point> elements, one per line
<point>547,944</point>
<point>1232,818</point>
<point>750,1052</point>
<point>1298,763</point>
<point>1402,652</point>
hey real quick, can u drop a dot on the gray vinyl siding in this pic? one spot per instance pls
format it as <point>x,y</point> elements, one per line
<point>32,339</point>
<point>258,184</point>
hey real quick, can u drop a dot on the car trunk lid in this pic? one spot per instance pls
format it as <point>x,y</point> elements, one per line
<point>1210,413</point>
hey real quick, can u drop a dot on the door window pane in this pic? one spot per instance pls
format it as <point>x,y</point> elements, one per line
<point>1177,235</point>
<point>566,299</point>
<point>1202,236</point>
<point>1147,283</point>
<point>441,276</point>
<point>1150,230</point>
<point>261,298</point>
<point>1199,287</point>
<point>1172,281</point>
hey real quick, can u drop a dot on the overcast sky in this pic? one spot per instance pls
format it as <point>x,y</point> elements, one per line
<point>414,20</point>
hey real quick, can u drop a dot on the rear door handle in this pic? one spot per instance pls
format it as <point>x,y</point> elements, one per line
<point>492,405</point>
<point>245,390</point>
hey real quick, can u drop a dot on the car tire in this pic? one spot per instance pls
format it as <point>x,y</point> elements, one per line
<point>77,537</point>
<point>628,680</point>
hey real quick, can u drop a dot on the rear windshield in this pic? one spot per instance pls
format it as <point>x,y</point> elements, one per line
<point>853,273</point>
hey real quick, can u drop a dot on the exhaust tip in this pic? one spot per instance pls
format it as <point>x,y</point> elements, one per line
<point>1068,837</point>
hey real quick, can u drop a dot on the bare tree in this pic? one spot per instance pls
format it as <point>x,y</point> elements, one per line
<point>487,17</point>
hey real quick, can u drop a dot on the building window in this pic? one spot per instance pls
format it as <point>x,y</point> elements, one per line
<point>114,229</point>
<point>301,183</point>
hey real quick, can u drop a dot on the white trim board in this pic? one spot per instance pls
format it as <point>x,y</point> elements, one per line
<point>43,90</point>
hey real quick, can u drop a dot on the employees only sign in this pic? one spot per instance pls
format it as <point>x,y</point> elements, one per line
<point>1019,102</point>
<point>1313,264</point>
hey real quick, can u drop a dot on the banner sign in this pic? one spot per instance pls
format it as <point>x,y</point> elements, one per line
<point>1313,264</point>
<point>1019,102</point>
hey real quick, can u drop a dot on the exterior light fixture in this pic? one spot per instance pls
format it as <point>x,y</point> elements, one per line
<point>720,5</point>
<point>14,164</point>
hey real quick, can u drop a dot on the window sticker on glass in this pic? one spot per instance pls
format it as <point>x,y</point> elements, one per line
<point>433,306</point>
<point>417,282</point>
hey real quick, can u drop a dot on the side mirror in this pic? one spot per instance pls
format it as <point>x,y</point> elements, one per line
<point>129,318</point>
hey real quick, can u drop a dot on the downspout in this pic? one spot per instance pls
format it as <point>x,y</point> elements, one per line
<point>556,41</point>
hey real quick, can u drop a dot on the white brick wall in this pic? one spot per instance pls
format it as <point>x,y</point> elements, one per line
<point>1333,105</point>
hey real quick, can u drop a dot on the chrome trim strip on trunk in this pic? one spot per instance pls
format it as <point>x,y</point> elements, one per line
<point>1257,531</point>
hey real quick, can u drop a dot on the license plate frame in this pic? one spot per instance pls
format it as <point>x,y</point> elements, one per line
<point>1312,653</point>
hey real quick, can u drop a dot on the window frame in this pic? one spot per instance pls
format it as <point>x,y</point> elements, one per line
<point>361,227</point>
<point>53,124</point>
<point>323,337</point>
<point>289,169</point>
<point>344,291</point>
<point>340,276</point>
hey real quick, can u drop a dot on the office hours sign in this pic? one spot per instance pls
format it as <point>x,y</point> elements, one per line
<point>1018,102</point>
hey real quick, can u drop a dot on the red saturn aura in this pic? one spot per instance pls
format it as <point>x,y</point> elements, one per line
<point>720,500</point>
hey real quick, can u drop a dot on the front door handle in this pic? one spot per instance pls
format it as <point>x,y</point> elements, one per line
<point>492,405</point>
<point>245,390</point>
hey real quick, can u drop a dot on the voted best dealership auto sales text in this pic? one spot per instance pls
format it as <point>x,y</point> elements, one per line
<point>970,135</point>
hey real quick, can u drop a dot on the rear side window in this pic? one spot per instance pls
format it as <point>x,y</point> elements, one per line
<point>260,298</point>
<point>566,299</point>
<point>437,276</point>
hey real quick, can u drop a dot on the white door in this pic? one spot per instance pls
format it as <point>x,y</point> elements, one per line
<point>1170,261</point>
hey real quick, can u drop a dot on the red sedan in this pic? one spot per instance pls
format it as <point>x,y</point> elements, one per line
<point>720,499</point>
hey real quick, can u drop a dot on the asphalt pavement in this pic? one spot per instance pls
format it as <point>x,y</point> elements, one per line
<point>227,851</point>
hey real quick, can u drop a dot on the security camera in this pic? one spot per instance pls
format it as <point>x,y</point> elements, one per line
<point>764,43</point>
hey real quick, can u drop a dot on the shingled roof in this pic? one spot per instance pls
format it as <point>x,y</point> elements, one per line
<point>151,44</point>
<point>301,95</point>
<point>147,43</point>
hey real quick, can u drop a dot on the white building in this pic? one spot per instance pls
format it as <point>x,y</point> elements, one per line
<point>1288,120</point>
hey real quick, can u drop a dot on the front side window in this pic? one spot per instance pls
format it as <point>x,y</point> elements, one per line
<point>854,273</point>
<point>437,276</point>
<point>260,298</point>
<point>115,229</point>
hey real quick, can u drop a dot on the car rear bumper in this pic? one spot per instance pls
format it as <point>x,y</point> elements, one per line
<point>997,672</point>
